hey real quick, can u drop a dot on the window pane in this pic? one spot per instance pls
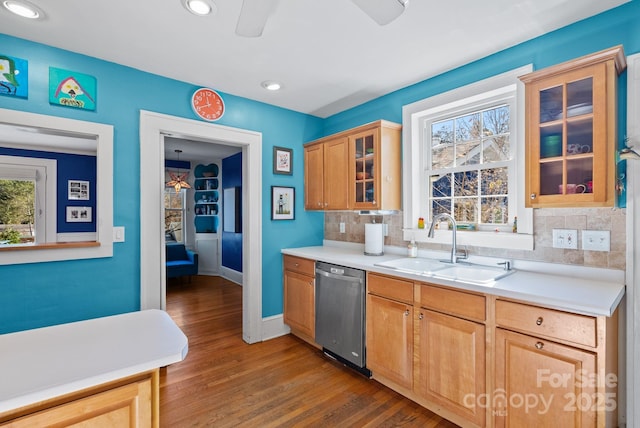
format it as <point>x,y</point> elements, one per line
<point>468,132</point>
<point>465,210</point>
<point>441,206</point>
<point>495,181</point>
<point>17,208</point>
<point>441,186</point>
<point>442,144</point>
<point>465,183</point>
<point>495,210</point>
<point>496,121</point>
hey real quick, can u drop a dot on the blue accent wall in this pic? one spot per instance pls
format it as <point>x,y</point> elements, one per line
<point>49,293</point>
<point>69,167</point>
<point>232,242</point>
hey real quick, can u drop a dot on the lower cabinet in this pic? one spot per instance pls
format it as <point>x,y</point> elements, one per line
<point>299,295</point>
<point>450,363</point>
<point>541,383</point>
<point>128,403</point>
<point>390,332</point>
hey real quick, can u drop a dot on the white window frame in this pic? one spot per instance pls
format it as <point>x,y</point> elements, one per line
<point>414,117</point>
<point>44,173</point>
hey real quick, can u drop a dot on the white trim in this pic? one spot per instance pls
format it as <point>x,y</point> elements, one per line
<point>76,237</point>
<point>231,274</point>
<point>103,134</point>
<point>273,327</point>
<point>412,116</point>
<point>632,308</point>
<point>153,126</point>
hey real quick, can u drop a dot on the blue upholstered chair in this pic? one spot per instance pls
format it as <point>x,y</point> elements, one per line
<point>180,261</point>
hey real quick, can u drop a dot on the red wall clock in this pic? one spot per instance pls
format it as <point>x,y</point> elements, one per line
<point>207,104</point>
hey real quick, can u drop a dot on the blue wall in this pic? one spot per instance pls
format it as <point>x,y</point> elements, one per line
<point>69,167</point>
<point>35,295</point>
<point>49,293</point>
<point>232,242</point>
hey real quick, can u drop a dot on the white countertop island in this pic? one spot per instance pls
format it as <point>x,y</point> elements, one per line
<point>44,363</point>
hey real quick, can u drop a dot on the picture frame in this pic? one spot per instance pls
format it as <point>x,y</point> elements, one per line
<point>78,190</point>
<point>282,161</point>
<point>282,203</point>
<point>79,214</point>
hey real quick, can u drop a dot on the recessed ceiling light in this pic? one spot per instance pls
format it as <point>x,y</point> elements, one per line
<point>270,85</point>
<point>23,8</point>
<point>200,7</point>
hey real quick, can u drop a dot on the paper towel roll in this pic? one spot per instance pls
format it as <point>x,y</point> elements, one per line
<point>373,239</point>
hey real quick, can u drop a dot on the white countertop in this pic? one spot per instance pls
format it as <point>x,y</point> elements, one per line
<point>587,291</point>
<point>47,362</point>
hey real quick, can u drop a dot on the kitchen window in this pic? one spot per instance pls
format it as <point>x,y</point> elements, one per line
<point>463,154</point>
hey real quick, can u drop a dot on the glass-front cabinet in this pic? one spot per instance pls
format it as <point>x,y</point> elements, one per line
<point>571,131</point>
<point>364,163</point>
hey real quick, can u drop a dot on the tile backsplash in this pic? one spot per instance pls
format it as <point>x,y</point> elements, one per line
<point>544,221</point>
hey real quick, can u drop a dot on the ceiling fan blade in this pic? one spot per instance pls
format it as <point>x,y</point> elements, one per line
<point>253,17</point>
<point>382,11</point>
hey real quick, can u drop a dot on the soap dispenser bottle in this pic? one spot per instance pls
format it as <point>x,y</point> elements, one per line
<point>412,249</point>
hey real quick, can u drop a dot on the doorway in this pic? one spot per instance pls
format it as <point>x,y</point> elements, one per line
<point>153,128</point>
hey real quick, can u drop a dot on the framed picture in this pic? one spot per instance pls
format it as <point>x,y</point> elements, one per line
<point>78,214</point>
<point>282,203</point>
<point>78,190</point>
<point>282,160</point>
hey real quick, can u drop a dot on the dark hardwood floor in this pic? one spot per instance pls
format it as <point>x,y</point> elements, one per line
<point>283,382</point>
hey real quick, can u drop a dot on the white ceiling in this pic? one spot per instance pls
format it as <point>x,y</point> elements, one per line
<point>328,54</point>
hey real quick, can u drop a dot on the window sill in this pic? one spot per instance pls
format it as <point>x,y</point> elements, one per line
<point>503,240</point>
<point>49,246</point>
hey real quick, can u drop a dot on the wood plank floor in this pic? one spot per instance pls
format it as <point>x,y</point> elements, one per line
<point>283,382</point>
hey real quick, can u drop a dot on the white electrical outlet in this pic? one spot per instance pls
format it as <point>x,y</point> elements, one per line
<point>596,240</point>
<point>565,238</point>
<point>342,227</point>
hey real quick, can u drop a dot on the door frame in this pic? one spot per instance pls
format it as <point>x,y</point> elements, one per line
<point>153,128</point>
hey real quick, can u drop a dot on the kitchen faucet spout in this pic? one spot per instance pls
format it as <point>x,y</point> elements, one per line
<point>454,226</point>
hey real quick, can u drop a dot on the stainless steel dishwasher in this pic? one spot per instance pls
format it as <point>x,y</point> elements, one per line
<point>340,314</point>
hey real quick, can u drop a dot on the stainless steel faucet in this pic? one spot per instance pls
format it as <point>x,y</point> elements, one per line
<point>454,248</point>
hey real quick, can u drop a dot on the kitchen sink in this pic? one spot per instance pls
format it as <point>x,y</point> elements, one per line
<point>474,274</point>
<point>414,265</point>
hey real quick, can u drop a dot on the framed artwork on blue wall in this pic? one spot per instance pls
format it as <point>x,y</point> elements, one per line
<point>72,89</point>
<point>282,161</point>
<point>282,203</point>
<point>14,76</point>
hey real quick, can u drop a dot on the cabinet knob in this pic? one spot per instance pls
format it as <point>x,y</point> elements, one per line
<point>406,313</point>
<point>421,316</point>
<point>297,265</point>
<point>539,345</point>
<point>311,283</point>
<point>539,321</point>
<point>533,196</point>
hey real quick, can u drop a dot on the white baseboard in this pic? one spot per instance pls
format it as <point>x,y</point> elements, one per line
<point>231,275</point>
<point>273,327</point>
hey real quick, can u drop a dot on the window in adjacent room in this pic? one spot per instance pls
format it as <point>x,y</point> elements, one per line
<point>174,214</point>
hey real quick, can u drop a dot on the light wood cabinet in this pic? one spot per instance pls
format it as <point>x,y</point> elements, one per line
<point>326,175</point>
<point>131,402</point>
<point>450,367</point>
<point>299,296</point>
<point>390,329</point>
<point>358,169</point>
<point>564,364</point>
<point>571,134</point>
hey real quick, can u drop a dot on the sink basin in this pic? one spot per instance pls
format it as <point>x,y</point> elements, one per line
<point>414,265</point>
<point>482,275</point>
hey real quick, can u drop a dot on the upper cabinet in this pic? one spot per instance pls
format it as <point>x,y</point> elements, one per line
<point>571,131</point>
<point>358,169</point>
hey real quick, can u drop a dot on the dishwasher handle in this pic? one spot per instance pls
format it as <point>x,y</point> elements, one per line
<point>338,277</point>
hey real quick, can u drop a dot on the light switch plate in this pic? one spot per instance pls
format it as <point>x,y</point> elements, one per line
<point>596,240</point>
<point>565,238</point>
<point>118,234</point>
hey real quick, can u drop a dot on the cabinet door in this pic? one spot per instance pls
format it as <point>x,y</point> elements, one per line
<point>125,406</point>
<point>450,368</point>
<point>569,147</point>
<point>365,170</point>
<point>299,302</point>
<point>336,174</point>
<point>390,340</point>
<point>542,383</point>
<point>314,177</point>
